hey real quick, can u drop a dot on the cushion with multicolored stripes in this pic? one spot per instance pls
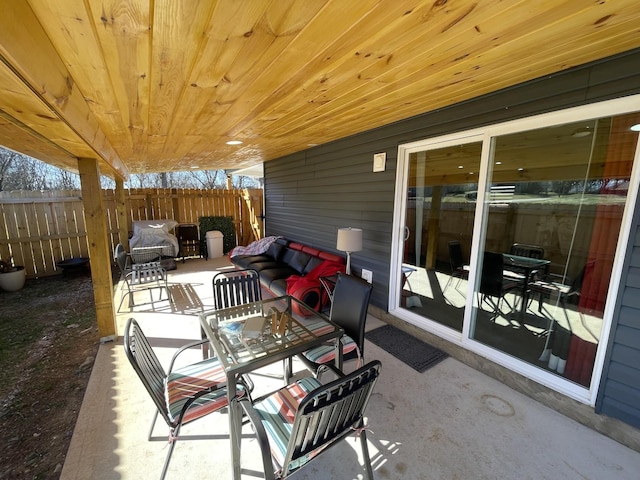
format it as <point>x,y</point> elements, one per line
<point>327,353</point>
<point>184,382</point>
<point>277,413</point>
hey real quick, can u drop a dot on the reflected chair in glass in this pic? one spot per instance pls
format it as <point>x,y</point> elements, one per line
<point>183,393</point>
<point>459,269</point>
<point>299,422</point>
<point>348,310</point>
<point>547,288</point>
<point>524,250</point>
<point>140,276</point>
<point>493,285</point>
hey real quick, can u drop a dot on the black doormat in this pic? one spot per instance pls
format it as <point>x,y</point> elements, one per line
<point>414,352</point>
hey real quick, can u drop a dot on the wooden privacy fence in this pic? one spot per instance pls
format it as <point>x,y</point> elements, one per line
<point>38,229</point>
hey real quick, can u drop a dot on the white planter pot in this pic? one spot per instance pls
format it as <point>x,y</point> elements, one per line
<point>14,280</point>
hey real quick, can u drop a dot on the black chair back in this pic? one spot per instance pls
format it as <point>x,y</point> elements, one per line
<point>324,416</point>
<point>331,413</point>
<point>455,255</point>
<point>238,287</point>
<point>491,279</point>
<point>146,365</point>
<point>523,250</point>
<point>349,306</point>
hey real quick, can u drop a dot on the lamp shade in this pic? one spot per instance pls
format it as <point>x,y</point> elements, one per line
<point>349,239</point>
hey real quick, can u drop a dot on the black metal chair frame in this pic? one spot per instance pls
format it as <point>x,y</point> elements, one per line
<point>154,378</point>
<point>324,417</point>
<point>349,309</point>
<point>233,288</point>
<point>236,287</point>
<point>493,285</point>
<point>140,276</point>
<point>547,287</point>
<point>530,251</point>
<point>459,269</point>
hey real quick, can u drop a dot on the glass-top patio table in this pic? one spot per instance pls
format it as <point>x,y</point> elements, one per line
<point>254,335</point>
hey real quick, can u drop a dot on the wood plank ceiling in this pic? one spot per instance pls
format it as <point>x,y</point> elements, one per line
<point>162,85</point>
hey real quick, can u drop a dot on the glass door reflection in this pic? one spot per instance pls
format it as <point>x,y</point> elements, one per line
<point>440,212</point>
<point>553,209</point>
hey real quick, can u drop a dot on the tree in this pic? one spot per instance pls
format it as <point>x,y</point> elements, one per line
<point>65,180</point>
<point>209,178</point>
<point>6,159</point>
<point>20,172</point>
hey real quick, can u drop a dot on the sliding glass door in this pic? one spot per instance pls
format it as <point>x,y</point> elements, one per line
<point>511,238</point>
<point>440,210</point>
<point>554,208</point>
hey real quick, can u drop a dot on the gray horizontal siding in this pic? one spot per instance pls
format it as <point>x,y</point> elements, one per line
<point>310,194</point>
<point>619,394</point>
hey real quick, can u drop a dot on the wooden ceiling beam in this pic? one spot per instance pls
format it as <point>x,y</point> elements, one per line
<point>24,140</point>
<point>25,46</point>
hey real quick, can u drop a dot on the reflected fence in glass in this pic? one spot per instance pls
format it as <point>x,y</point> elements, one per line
<point>567,188</point>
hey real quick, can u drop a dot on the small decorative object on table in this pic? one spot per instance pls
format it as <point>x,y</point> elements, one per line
<point>280,322</point>
<point>253,327</point>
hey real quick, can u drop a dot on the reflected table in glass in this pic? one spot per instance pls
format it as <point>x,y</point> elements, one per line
<point>250,336</point>
<point>526,266</point>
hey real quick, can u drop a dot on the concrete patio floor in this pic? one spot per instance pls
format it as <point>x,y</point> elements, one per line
<point>450,422</point>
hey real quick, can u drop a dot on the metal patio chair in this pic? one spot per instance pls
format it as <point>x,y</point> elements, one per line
<point>349,310</point>
<point>563,292</point>
<point>237,287</point>
<point>140,276</point>
<point>459,269</point>
<point>297,423</point>
<point>494,285</point>
<point>182,394</point>
<point>234,288</point>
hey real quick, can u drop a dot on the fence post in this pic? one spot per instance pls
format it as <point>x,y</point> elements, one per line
<point>121,214</point>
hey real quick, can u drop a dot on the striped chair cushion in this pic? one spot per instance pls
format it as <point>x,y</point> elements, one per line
<point>318,327</point>
<point>186,381</point>
<point>327,353</point>
<point>277,413</point>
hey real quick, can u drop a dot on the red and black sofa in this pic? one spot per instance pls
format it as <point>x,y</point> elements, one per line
<point>291,268</point>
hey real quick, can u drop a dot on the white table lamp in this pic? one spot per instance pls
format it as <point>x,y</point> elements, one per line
<point>349,240</point>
